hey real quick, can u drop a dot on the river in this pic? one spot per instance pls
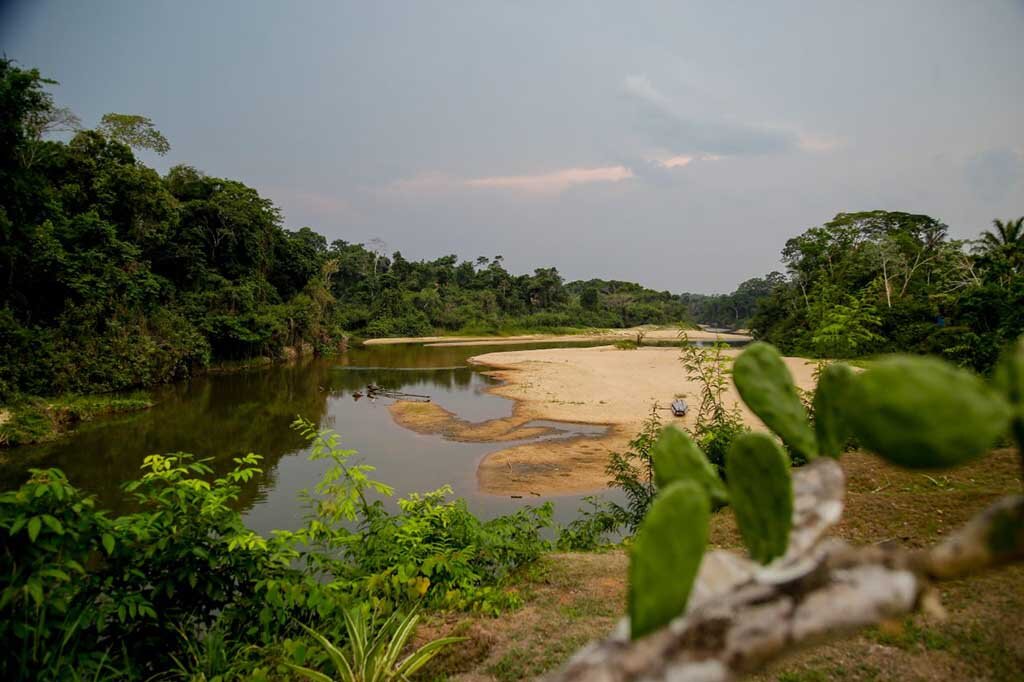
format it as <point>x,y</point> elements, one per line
<point>221,416</point>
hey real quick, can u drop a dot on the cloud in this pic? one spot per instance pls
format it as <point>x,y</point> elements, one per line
<point>307,202</point>
<point>542,183</point>
<point>553,182</point>
<point>672,129</point>
<point>811,142</point>
<point>991,174</point>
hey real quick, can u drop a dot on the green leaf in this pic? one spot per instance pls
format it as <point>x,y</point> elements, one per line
<point>677,458</point>
<point>55,525</point>
<point>923,413</point>
<point>829,398</point>
<point>1009,378</point>
<point>761,493</point>
<point>767,388</point>
<point>666,555</point>
<point>34,525</point>
<point>108,543</point>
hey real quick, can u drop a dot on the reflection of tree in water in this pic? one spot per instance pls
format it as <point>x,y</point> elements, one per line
<point>356,379</point>
<point>224,416</point>
<point>220,417</point>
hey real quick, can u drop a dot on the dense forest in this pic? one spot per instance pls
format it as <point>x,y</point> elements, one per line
<point>882,281</point>
<point>115,276</point>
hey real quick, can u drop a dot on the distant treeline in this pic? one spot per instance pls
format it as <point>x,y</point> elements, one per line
<point>113,276</point>
<point>881,281</point>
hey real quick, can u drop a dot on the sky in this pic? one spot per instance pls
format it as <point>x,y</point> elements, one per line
<point>676,144</point>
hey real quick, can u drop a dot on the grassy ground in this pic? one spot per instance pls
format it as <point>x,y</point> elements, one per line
<point>572,598</point>
<point>35,420</point>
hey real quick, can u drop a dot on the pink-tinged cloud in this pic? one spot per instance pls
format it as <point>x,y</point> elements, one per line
<point>811,142</point>
<point>553,182</point>
<point>683,160</point>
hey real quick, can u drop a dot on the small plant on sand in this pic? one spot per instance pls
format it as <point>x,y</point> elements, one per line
<point>632,472</point>
<point>716,424</point>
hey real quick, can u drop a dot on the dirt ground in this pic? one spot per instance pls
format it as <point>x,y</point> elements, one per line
<point>572,598</point>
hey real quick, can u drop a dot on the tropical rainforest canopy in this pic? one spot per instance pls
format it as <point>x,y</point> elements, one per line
<point>115,276</point>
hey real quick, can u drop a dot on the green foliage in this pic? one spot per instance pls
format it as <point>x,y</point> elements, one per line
<point>831,429</point>
<point>137,132</point>
<point>666,555</point>
<point>716,426</point>
<point>924,413</point>
<point>115,277</point>
<point>677,458</point>
<point>761,494</point>
<point>182,585</point>
<point>633,473</point>
<point>883,281</point>
<point>591,527</point>
<point>374,653</point>
<point>33,420</point>
<point>766,386</point>
<point>1009,377</point>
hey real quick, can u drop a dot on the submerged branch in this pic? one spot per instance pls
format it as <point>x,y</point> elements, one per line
<point>742,615</point>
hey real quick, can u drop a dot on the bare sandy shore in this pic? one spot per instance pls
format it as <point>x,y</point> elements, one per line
<point>609,335</point>
<point>600,385</point>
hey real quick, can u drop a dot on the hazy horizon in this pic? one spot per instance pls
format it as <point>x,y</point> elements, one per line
<point>676,145</point>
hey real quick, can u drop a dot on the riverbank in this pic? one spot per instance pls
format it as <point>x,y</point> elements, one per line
<point>602,386</point>
<point>38,420</point>
<point>650,334</point>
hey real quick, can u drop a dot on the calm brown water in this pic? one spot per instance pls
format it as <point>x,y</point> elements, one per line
<point>223,416</point>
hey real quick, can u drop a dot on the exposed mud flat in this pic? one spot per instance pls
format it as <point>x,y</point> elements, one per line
<point>603,386</point>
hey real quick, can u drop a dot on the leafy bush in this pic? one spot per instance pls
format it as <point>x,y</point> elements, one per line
<point>182,582</point>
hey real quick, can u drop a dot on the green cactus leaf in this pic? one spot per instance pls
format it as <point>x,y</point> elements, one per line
<point>666,556</point>
<point>761,494</point>
<point>767,388</point>
<point>1009,378</point>
<point>677,458</point>
<point>829,424</point>
<point>923,413</point>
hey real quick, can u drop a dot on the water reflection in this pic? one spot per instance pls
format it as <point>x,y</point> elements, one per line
<point>224,416</point>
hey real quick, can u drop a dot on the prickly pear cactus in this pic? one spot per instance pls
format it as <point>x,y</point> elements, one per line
<point>767,388</point>
<point>1009,378</point>
<point>829,425</point>
<point>677,458</point>
<point>761,494</point>
<point>666,555</point>
<point>924,413</point>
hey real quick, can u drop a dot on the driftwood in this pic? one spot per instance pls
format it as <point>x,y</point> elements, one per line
<point>743,615</point>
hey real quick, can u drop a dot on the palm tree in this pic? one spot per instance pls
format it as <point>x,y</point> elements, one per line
<point>1001,250</point>
<point>1006,233</point>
